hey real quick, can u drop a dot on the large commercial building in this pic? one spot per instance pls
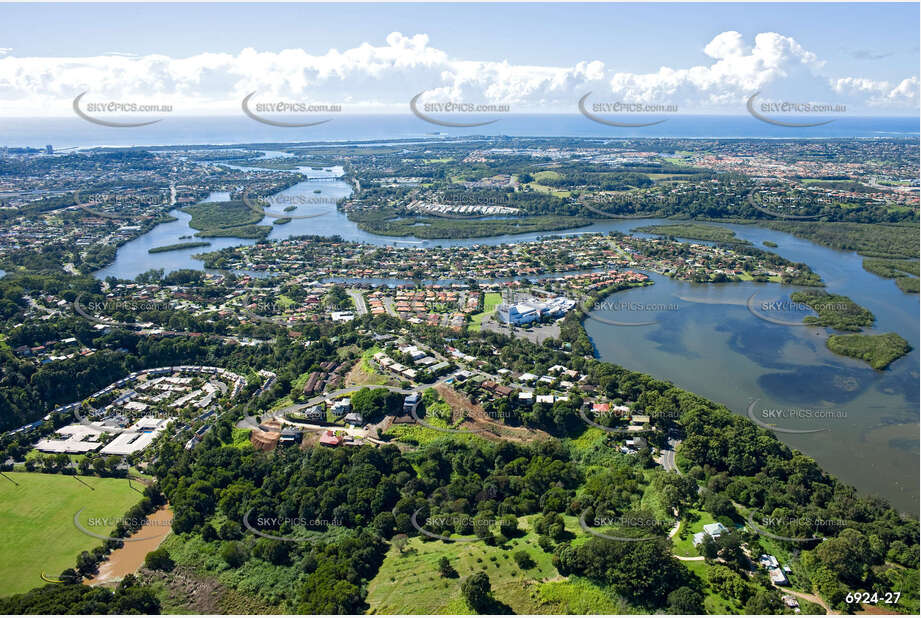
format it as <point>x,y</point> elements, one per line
<point>532,310</point>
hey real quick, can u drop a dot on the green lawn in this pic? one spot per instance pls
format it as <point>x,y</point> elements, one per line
<point>37,531</point>
<point>490,301</point>
<point>535,186</point>
<point>685,546</point>
<point>546,175</point>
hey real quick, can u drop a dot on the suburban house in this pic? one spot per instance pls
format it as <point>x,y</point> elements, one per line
<point>314,413</point>
<point>411,403</point>
<point>713,530</point>
<point>330,439</point>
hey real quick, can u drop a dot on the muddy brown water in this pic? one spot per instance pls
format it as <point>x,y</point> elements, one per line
<point>130,557</point>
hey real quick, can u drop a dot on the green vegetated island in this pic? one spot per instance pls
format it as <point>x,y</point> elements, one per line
<point>878,350</point>
<point>387,222</point>
<point>226,219</point>
<point>867,239</point>
<point>900,270</point>
<point>694,231</point>
<point>841,313</point>
<point>179,245</point>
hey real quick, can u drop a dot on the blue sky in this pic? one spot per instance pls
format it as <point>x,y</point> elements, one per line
<point>874,46</point>
<point>667,34</point>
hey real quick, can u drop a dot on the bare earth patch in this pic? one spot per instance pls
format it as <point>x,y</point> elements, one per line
<point>203,594</point>
<point>477,419</point>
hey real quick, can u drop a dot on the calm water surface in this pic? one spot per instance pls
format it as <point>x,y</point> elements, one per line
<point>706,340</point>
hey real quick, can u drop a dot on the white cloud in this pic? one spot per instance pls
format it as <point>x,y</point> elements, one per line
<point>384,77</point>
<point>726,45</point>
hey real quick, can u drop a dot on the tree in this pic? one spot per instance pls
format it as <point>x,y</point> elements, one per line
<point>847,555</point>
<point>208,533</point>
<point>729,546</point>
<point>685,601</point>
<point>728,583</point>
<point>508,526</point>
<point>764,602</point>
<point>708,547</point>
<point>272,550</point>
<point>445,568</point>
<point>523,559</point>
<point>86,563</point>
<point>719,505</point>
<point>233,554</point>
<point>159,560</point>
<point>477,590</point>
<point>99,465</point>
<point>231,531</point>
<point>643,572</point>
<point>400,541</point>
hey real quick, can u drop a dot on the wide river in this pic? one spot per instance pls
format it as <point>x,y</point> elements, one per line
<point>705,338</point>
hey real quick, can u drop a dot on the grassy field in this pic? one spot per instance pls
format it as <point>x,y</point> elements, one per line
<point>546,175</point>
<point>490,301</point>
<point>364,373</point>
<point>536,186</point>
<point>37,530</point>
<point>421,436</point>
<point>409,582</point>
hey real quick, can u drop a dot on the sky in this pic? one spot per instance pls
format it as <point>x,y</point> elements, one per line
<point>700,58</point>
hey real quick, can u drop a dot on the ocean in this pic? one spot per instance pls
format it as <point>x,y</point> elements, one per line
<point>74,132</point>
